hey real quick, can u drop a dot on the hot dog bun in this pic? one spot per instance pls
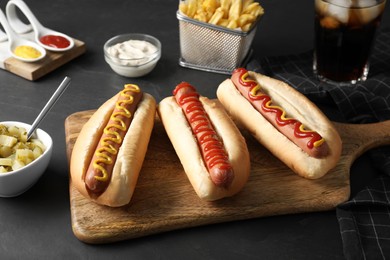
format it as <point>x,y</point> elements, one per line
<point>297,106</point>
<point>130,156</point>
<point>187,149</point>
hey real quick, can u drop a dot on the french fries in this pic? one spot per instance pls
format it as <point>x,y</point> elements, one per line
<point>232,14</point>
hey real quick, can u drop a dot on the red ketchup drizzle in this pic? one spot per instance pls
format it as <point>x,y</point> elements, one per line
<point>243,74</point>
<point>55,41</point>
<point>213,151</point>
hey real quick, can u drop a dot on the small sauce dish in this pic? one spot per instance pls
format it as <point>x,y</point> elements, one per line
<point>18,181</point>
<point>54,41</point>
<point>20,48</point>
<point>45,37</point>
<point>132,55</point>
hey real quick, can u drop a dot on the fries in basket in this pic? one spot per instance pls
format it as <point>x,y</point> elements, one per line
<point>232,14</point>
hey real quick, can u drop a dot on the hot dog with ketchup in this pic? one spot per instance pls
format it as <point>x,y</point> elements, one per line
<point>110,149</point>
<point>210,147</point>
<point>283,120</point>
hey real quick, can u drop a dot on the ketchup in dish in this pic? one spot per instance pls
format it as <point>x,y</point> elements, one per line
<point>55,41</point>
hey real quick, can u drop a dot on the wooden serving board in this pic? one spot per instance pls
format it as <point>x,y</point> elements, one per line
<point>164,200</point>
<point>35,70</point>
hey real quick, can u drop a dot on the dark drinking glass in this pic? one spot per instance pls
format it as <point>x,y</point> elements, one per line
<point>344,35</point>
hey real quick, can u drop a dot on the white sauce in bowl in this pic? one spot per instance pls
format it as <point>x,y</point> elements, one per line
<point>132,52</point>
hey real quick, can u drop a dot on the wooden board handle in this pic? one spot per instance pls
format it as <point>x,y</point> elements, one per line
<point>364,137</point>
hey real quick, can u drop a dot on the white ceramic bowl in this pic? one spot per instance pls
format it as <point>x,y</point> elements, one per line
<point>17,182</point>
<point>135,67</point>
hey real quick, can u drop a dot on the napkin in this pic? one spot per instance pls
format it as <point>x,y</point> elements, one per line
<point>364,220</point>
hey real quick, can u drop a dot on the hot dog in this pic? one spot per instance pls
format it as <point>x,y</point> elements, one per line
<point>110,149</point>
<point>283,120</point>
<point>210,147</point>
<point>212,150</point>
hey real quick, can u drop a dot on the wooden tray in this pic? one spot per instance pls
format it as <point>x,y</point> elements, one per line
<point>164,199</point>
<point>53,60</point>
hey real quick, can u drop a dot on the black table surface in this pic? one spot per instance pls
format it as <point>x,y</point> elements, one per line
<point>37,224</point>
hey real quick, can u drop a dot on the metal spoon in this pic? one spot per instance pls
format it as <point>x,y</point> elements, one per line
<point>57,94</point>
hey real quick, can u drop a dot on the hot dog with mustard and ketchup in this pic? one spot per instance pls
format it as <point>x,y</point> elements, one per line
<point>282,119</point>
<point>110,149</point>
<point>210,147</point>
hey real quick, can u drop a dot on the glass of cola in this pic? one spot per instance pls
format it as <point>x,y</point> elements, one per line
<point>345,32</point>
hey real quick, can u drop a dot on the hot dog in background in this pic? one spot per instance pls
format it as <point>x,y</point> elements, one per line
<point>309,141</point>
<point>209,145</point>
<point>109,151</point>
<point>283,120</point>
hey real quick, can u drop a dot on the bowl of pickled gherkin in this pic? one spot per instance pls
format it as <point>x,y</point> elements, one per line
<point>22,161</point>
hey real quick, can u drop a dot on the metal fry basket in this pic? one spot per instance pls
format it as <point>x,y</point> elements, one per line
<point>208,47</point>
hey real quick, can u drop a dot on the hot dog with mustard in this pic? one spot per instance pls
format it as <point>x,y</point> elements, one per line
<point>110,149</point>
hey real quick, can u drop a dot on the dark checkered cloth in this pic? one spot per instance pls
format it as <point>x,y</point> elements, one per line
<point>365,219</point>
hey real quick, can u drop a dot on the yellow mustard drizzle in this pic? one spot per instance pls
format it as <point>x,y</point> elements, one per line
<point>105,153</point>
<point>255,92</point>
<point>316,143</point>
<point>319,142</point>
<point>283,115</point>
